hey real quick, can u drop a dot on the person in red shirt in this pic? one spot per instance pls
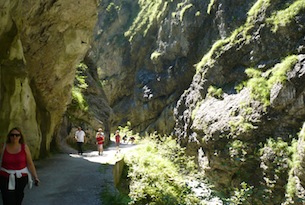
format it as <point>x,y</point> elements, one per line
<point>117,140</point>
<point>100,138</point>
<point>17,168</point>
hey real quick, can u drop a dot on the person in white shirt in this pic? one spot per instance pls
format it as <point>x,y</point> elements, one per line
<point>80,138</point>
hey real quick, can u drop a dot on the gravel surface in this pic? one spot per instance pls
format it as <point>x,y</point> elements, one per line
<point>72,179</point>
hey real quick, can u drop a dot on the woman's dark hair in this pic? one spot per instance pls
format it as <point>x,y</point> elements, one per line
<point>21,140</point>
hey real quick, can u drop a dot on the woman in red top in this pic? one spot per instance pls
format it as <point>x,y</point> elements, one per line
<point>100,137</point>
<point>17,167</point>
<point>117,140</point>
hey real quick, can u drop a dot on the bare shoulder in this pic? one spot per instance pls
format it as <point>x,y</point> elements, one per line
<point>26,147</point>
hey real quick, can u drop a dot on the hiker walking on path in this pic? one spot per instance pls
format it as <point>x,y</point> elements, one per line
<point>117,140</point>
<point>71,179</point>
<point>17,168</point>
<point>100,137</point>
<point>80,138</point>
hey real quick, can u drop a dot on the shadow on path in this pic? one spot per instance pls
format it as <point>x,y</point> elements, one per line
<point>69,178</point>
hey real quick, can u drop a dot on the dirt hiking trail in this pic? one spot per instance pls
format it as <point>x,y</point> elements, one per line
<point>71,179</point>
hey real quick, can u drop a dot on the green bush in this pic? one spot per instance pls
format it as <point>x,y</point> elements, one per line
<point>260,83</point>
<point>114,198</point>
<point>241,195</point>
<point>215,92</point>
<point>80,85</point>
<point>158,171</point>
<point>283,17</point>
<point>276,161</point>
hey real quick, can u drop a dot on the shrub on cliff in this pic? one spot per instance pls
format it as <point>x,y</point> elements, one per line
<point>159,172</point>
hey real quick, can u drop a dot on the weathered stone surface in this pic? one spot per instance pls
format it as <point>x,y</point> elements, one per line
<point>144,54</point>
<point>43,41</point>
<point>151,68</point>
<point>229,131</point>
<point>153,63</point>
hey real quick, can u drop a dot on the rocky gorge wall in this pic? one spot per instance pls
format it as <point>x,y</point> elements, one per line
<point>41,44</point>
<point>144,54</point>
<point>225,77</point>
<point>245,106</point>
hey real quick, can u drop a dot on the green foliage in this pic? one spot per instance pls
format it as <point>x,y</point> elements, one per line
<point>219,46</point>
<point>215,92</point>
<point>112,13</point>
<point>155,55</point>
<point>253,73</point>
<point>210,6</point>
<point>150,13</point>
<point>284,17</point>
<point>241,195</point>
<point>280,18</point>
<point>157,173</point>
<point>292,194</point>
<point>111,7</point>
<point>291,184</point>
<point>259,89</point>
<point>79,98</point>
<point>238,150</point>
<point>207,58</point>
<point>240,86</point>
<point>184,9</point>
<point>240,125</point>
<point>237,36</point>
<point>276,162</point>
<point>80,76</point>
<point>278,147</point>
<point>280,70</point>
<point>291,188</point>
<point>302,133</point>
<point>114,198</point>
<point>79,86</point>
<point>255,10</point>
<point>261,83</point>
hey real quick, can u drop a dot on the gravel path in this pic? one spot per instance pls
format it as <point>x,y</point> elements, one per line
<point>71,179</point>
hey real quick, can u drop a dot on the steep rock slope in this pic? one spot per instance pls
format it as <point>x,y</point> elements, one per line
<point>226,76</point>
<point>41,44</point>
<point>245,106</point>
<point>145,51</point>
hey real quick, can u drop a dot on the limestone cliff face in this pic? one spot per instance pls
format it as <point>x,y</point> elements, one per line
<point>245,105</point>
<point>41,44</point>
<point>144,54</point>
<point>225,77</point>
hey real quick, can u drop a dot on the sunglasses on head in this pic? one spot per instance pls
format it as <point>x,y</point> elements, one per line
<point>14,135</point>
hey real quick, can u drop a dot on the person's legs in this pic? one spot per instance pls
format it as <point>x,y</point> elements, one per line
<point>13,197</point>
<point>80,149</point>
<point>8,197</point>
<point>20,185</point>
<point>100,149</point>
<point>117,147</point>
